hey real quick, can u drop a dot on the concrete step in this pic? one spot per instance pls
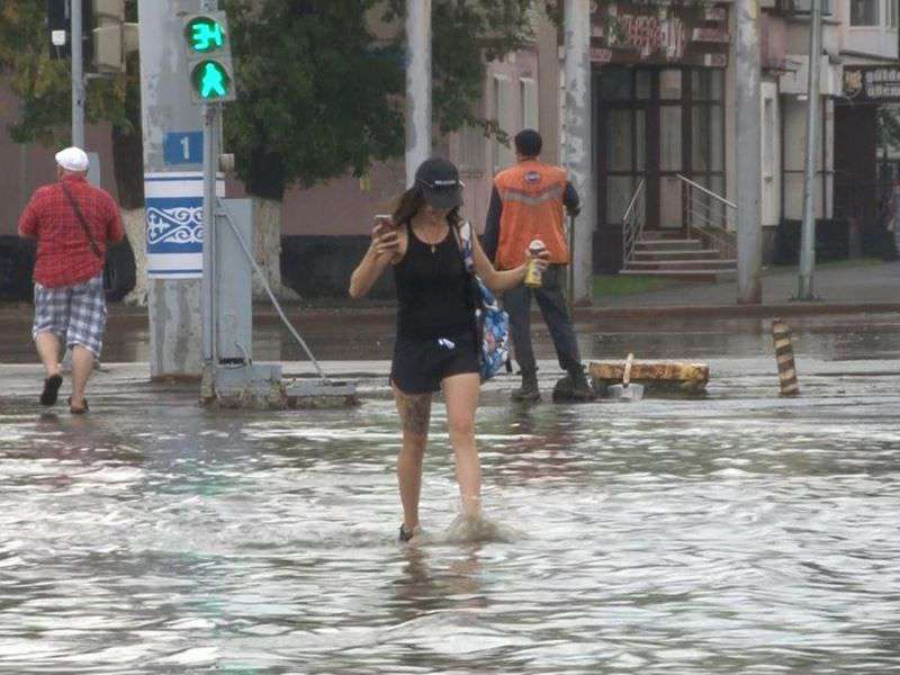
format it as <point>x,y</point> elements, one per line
<point>702,264</point>
<point>686,254</point>
<point>668,244</point>
<point>663,235</point>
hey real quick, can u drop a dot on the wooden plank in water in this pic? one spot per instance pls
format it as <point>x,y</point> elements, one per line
<point>657,376</point>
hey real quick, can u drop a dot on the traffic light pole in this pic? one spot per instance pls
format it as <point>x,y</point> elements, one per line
<point>77,74</point>
<point>211,117</point>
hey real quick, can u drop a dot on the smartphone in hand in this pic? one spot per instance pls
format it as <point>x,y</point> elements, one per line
<point>384,223</point>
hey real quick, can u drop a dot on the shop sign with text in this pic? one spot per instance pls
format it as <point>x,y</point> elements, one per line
<point>682,34</point>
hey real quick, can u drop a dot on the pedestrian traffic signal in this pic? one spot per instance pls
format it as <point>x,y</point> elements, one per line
<point>208,47</point>
<point>211,81</point>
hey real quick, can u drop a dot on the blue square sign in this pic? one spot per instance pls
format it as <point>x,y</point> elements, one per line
<point>183,147</point>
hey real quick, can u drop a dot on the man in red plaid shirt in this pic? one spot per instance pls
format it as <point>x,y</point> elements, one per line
<point>72,221</point>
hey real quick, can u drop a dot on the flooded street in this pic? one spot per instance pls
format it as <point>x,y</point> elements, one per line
<point>738,533</point>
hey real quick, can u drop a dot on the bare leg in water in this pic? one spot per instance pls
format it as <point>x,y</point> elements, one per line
<point>461,396</point>
<point>415,414</point>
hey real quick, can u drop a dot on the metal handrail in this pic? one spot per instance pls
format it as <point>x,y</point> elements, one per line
<point>712,194</point>
<point>699,207</point>
<point>633,201</point>
<point>699,214</point>
<point>632,226</point>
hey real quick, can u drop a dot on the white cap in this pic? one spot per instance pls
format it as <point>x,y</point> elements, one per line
<point>73,159</point>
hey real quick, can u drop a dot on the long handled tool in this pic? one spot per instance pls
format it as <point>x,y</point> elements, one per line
<point>627,391</point>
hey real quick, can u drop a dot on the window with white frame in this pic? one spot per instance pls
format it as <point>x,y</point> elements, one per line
<point>865,12</point>
<point>528,103</point>
<point>503,154</point>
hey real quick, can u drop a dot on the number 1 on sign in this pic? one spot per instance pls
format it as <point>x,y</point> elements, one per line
<point>186,147</point>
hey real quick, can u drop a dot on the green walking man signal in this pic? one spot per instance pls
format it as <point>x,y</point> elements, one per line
<point>211,80</point>
<point>208,46</point>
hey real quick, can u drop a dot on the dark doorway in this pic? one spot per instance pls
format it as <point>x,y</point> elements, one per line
<point>654,124</point>
<point>855,173</point>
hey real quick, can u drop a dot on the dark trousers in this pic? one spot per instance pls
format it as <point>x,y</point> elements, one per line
<point>550,299</point>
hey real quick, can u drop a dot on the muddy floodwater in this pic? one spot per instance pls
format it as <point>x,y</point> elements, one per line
<point>740,533</point>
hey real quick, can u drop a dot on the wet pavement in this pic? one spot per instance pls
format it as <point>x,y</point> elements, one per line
<point>741,532</point>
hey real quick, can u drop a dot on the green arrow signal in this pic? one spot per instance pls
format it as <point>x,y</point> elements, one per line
<point>211,80</point>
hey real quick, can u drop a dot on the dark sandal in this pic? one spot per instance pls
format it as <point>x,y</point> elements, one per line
<point>51,390</point>
<point>78,411</point>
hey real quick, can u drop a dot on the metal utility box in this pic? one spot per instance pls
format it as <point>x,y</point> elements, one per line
<point>234,277</point>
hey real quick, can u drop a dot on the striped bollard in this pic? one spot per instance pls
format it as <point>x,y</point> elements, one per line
<point>784,354</point>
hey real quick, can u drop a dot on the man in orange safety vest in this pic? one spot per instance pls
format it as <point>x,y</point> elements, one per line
<point>527,203</point>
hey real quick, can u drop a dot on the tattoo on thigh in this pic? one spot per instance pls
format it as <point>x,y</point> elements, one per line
<point>415,412</point>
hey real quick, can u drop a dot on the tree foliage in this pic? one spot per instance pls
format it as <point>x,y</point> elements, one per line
<point>888,125</point>
<point>319,92</point>
<point>466,35</point>
<point>317,95</point>
<point>43,86</point>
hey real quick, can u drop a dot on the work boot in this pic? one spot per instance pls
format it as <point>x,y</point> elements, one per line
<point>528,392</point>
<point>582,391</point>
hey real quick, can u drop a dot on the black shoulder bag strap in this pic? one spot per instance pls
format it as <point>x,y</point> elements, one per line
<point>82,221</point>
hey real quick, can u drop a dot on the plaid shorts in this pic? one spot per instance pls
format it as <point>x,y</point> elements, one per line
<point>76,313</point>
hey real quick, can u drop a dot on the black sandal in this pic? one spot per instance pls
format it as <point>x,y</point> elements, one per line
<point>78,411</point>
<point>51,390</point>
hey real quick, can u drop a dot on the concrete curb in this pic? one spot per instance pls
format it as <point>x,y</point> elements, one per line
<point>137,315</point>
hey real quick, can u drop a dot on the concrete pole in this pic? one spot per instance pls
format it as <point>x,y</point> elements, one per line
<point>808,232</point>
<point>578,150</point>
<point>748,142</point>
<point>77,73</point>
<point>418,85</point>
<point>173,303</point>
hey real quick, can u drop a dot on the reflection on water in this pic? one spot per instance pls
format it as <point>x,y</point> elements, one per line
<point>742,533</point>
<point>833,338</point>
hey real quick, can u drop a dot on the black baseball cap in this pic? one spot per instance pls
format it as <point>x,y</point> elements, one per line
<point>440,183</point>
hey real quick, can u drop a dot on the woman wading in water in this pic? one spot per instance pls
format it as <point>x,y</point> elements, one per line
<point>436,345</point>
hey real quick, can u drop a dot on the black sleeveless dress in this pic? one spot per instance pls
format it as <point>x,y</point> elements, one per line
<point>435,316</point>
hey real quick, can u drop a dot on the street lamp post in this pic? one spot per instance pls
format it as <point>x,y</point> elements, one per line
<point>808,233</point>
<point>748,141</point>
<point>418,85</point>
<point>578,148</point>
<point>77,74</point>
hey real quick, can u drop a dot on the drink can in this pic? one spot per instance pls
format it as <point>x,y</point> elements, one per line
<point>533,275</point>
